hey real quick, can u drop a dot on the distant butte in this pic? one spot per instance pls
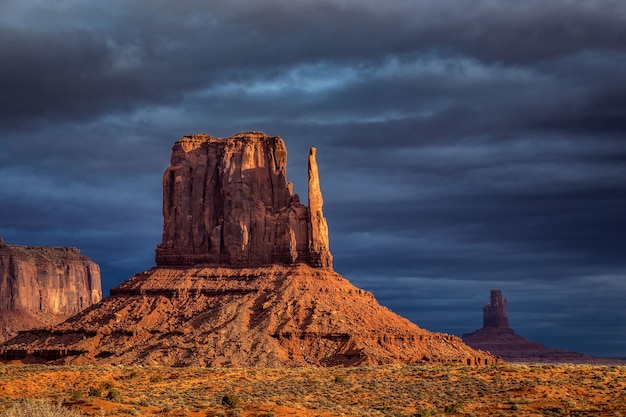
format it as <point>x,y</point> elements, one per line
<point>43,285</point>
<point>243,278</point>
<point>499,339</point>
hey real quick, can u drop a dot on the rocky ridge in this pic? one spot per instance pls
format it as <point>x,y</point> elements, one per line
<point>42,286</point>
<point>243,278</point>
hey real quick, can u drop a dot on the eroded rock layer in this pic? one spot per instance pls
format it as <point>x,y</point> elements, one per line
<point>270,316</point>
<point>42,286</point>
<point>226,202</point>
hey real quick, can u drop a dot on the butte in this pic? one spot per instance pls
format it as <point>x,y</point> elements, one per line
<point>499,339</point>
<point>243,277</point>
<point>43,286</point>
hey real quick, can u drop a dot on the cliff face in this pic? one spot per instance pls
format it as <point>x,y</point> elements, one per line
<point>41,286</point>
<point>226,202</point>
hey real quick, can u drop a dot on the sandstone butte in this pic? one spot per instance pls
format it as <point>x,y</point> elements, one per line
<point>42,286</point>
<point>499,339</point>
<point>243,278</point>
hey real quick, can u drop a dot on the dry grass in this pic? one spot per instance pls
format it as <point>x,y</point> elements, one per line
<point>39,408</point>
<point>499,390</point>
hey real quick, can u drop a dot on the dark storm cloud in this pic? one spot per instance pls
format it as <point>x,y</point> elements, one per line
<point>462,146</point>
<point>122,55</point>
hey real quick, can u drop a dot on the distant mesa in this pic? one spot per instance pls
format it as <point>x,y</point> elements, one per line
<point>42,286</point>
<point>243,278</point>
<point>499,339</point>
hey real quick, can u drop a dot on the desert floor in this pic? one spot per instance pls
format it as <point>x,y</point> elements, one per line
<point>425,390</point>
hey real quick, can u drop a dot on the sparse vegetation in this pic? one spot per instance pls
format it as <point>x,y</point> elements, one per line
<point>366,391</point>
<point>114,395</point>
<point>30,408</point>
<point>423,412</point>
<point>230,400</point>
<point>156,379</point>
<point>95,392</point>
<point>453,408</point>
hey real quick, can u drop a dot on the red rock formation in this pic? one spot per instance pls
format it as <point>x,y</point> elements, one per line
<point>42,286</point>
<point>318,250</point>
<point>498,338</point>
<point>226,202</point>
<point>494,313</point>
<point>243,278</point>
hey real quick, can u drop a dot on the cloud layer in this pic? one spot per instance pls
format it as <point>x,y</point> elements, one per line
<point>462,146</point>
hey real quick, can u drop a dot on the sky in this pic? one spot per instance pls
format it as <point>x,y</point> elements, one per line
<point>462,146</point>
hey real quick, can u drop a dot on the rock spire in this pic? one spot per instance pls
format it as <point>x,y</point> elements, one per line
<point>226,202</point>
<point>318,229</point>
<point>494,313</point>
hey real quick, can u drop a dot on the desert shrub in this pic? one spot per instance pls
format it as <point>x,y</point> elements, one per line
<point>553,411</point>
<point>95,392</point>
<point>109,385</point>
<point>453,408</point>
<point>340,379</point>
<point>230,400</point>
<point>423,412</point>
<point>114,395</point>
<point>145,403</point>
<point>39,409</point>
<point>156,379</point>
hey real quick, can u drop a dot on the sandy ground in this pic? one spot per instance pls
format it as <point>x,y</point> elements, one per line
<point>435,390</point>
